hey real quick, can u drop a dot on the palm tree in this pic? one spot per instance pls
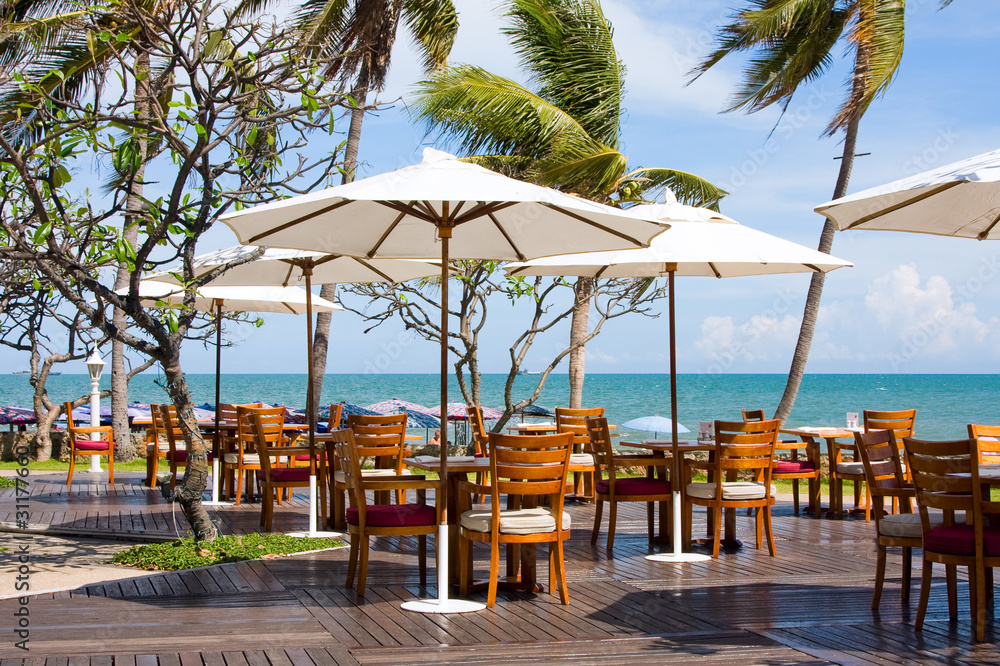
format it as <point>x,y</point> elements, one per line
<point>792,42</point>
<point>357,38</point>
<point>565,133</point>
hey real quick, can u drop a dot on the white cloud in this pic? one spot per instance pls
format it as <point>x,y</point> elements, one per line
<point>730,347</point>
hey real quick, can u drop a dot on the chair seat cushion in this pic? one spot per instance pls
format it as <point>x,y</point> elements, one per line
<point>395,515</point>
<point>961,540</point>
<point>248,458</point>
<point>581,459</point>
<point>792,467</point>
<point>88,445</point>
<point>855,468</point>
<point>340,477</point>
<point>165,448</point>
<point>286,474</point>
<point>520,521</point>
<point>731,490</point>
<point>637,486</point>
<point>908,524</point>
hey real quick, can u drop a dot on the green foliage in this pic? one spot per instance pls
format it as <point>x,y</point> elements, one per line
<point>7,482</point>
<point>186,554</point>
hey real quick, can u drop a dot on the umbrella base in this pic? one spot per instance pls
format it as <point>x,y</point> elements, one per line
<point>442,606</point>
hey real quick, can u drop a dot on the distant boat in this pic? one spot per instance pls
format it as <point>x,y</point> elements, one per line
<point>522,371</point>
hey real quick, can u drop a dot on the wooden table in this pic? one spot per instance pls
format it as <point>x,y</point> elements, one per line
<point>811,436</point>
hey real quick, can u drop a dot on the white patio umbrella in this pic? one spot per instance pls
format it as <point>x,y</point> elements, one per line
<point>279,266</point>
<point>699,242</point>
<point>443,208</point>
<point>960,199</point>
<point>232,299</point>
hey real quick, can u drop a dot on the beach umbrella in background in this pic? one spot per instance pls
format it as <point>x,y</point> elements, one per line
<point>457,414</point>
<point>699,242</point>
<point>418,416</point>
<point>19,416</point>
<point>294,300</point>
<point>535,411</point>
<point>283,267</point>
<point>348,409</point>
<point>960,199</point>
<point>448,209</point>
<point>655,424</point>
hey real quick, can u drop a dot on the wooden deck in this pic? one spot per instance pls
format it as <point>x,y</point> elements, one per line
<point>809,604</point>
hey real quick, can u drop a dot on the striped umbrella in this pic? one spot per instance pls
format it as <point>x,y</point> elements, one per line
<point>419,416</point>
<point>456,412</point>
<point>16,415</point>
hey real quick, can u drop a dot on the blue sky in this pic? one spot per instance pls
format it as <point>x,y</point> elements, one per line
<point>911,304</point>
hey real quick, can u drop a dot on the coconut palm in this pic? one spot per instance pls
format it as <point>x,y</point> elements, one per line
<point>792,42</point>
<point>357,37</point>
<point>563,133</point>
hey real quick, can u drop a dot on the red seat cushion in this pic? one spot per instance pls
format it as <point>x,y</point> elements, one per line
<point>88,445</point>
<point>635,487</point>
<point>286,474</point>
<point>792,466</point>
<point>961,540</point>
<point>181,456</point>
<point>396,515</point>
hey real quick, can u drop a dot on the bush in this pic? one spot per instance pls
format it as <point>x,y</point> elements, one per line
<point>185,554</point>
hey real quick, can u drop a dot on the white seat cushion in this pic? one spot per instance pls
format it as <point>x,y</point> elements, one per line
<point>856,468</point>
<point>581,459</point>
<point>340,477</point>
<point>165,448</point>
<point>908,524</point>
<point>731,490</point>
<point>248,458</point>
<point>521,521</point>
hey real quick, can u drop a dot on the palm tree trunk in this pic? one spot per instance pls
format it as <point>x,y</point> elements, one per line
<point>811,311</point>
<point>584,290</point>
<point>130,234</point>
<point>321,338</point>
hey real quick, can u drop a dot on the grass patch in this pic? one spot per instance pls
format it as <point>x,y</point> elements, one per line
<point>184,554</point>
<point>137,465</point>
<point>7,482</point>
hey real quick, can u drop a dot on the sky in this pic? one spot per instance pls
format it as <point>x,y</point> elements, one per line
<point>911,304</point>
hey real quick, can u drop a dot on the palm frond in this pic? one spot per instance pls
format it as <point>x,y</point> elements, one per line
<point>688,188</point>
<point>433,25</point>
<point>588,169</point>
<point>567,47</point>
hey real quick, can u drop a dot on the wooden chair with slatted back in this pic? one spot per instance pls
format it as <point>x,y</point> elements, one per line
<point>242,462</point>
<point>334,419</point>
<point>946,478</point>
<point>177,453</point>
<point>794,468</point>
<point>884,477</point>
<point>988,439</point>
<point>900,422</point>
<point>80,443</point>
<point>651,489</point>
<point>366,520</point>
<point>480,442</point>
<point>581,463</point>
<point>156,447</point>
<point>741,448</point>
<point>531,468</point>
<point>274,475</point>
<point>381,438</point>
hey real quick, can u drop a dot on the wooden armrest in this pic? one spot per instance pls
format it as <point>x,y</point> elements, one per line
<point>89,429</point>
<point>398,483</point>
<point>473,488</point>
<point>792,444</point>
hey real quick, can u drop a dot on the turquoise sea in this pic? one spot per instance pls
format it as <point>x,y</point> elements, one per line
<point>945,403</point>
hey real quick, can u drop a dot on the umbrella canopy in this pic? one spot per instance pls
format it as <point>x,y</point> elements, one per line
<point>960,199</point>
<point>444,208</point>
<point>535,410</point>
<point>348,409</point>
<point>418,416</point>
<point>699,242</point>
<point>16,415</point>
<point>456,412</point>
<point>236,298</point>
<point>655,423</point>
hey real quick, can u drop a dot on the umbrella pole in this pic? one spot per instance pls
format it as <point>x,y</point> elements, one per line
<point>678,554</point>
<point>217,439</point>
<point>443,604</point>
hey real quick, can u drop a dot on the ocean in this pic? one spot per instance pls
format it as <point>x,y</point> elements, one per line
<point>944,403</point>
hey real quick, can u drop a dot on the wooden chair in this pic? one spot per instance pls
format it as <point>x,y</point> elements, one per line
<point>581,463</point>
<point>274,475</point>
<point>241,462</point>
<point>652,489</point>
<point>884,477</point>
<point>155,448</point>
<point>177,453</point>
<point>946,477</point>
<point>988,440</point>
<point>335,416</point>
<point>900,422</point>
<point>378,437</point>
<point>80,443</point>
<point>480,442</point>
<point>740,448</point>
<point>529,468</point>
<point>367,520</point>
<point>794,468</point>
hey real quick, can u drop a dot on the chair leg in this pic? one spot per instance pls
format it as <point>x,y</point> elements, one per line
<point>352,562</point>
<point>464,566</point>
<point>795,496</point>
<point>880,577</point>
<point>338,508</point>
<point>422,557</point>
<point>925,593</point>
<point>239,486</point>
<point>759,524</point>
<point>649,521</point>
<point>907,565</point>
<point>717,529</point>
<point>491,598</point>
<point>598,509</point>
<point>868,504</point>
<point>561,563</point>
<point>173,475</point>
<point>951,576</point>
<point>72,463</point>
<point>768,529</point>
<point>612,521</point>
<point>363,568</point>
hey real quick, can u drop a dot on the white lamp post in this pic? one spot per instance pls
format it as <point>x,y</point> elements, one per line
<point>95,366</point>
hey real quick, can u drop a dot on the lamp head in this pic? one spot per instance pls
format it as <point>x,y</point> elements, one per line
<point>95,366</point>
